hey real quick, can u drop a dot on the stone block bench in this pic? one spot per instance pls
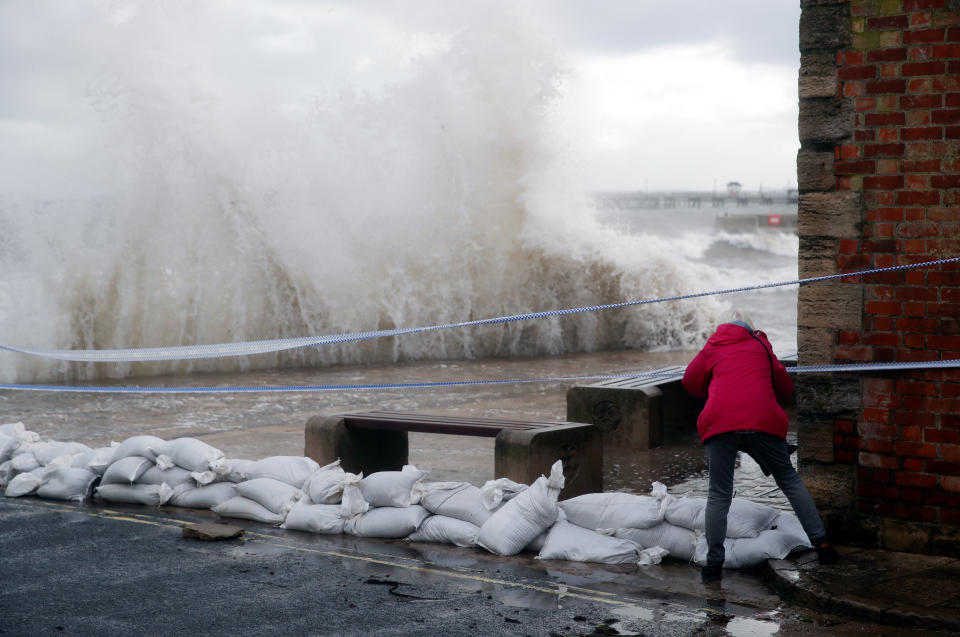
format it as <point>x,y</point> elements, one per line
<point>524,450</point>
<point>633,412</point>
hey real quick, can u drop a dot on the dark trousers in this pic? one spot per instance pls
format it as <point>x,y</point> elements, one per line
<point>771,452</point>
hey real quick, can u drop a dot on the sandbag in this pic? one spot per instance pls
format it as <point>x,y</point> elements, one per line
<point>144,446</point>
<point>174,476</point>
<point>677,540</point>
<point>386,522</point>
<point>95,460</point>
<point>67,483</point>
<point>524,517</point>
<point>24,462</point>
<point>247,509</point>
<point>25,483</point>
<point>352,502</point>
<point>459,500</point>
<point>126,470</point>
<point>8,445</point>
<point>748,552</point>
<point>745,518</point>
<point>232,470</point>
<point>314,518</point>
<point>145,494</point>
<point>294,470</point>
<point>566,541</point>
<point>274,495</point>
<point>391,488</point>
<point>325,485</point>
<point>496,492</point>
<point>446,530</point>
<point>19,431</point>
<point>188,453</point>
<point>7,472</point>
<point>617,510</point>
<point>46,452</point>
<point>205,497</point>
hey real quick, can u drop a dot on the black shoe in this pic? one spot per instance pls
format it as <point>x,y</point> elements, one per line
<point>826,554</point>
<point>710,574</point>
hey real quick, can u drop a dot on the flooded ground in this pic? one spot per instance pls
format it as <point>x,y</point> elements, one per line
<point>257,425</point>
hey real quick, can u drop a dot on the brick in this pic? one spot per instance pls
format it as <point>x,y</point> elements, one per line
<point>946,51</point>
<point>945,116</point>
<point>951,448</point>
<point>878,460</point>
<point>952,99</point>
<point>920,165</point>
<point>876,150</point>
<point>944,84</point>
<point>919,480</point>
<point>949,310</point>
<point>912,464</point>
<point>917,513</point>
<point>866,72</point>
<point>923,68</point>
<point>888,135</point>
<point>887,182</point>
<point>942,467</point>
<point>919,5</point>
<point>943,405</point>
<point>918,197</point>
<point>917,325</point>
<point>941,499</point>
<point>914,356</point>
<point>908,102</point>
<point>914,418</point>
<point>880,87</point>
<point>888,23</point>
<point>854,167</point>
<point>945,181</point>
<point>950,390</point>
<point>950,483</point>
<point>919,230</point>
<point>921,133</point>
<point>890,55</point>
<point>924,36</point>
<point>911,434</point>
<point>885,119</point>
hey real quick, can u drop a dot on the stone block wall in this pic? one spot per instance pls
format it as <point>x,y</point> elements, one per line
<point>879,178</point>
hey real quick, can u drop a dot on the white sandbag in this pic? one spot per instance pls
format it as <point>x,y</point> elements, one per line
<point>145,494</point>
<point>677,540</point>
<point>175,476</point>
<point>294,470</point>
<point>95,460</point>
<point>144,446</point>
<point>274,495</point>
<point>247,509</point>
<point>67,483</point>
<point>46,452</point>
<point>205,497</point>
<point>391,488</point>
<point>24,462</point>
<point>651,556</point>
<point>459,500</point>
<point>352,502</point>
<point>20,432</point>
<point>496,492</point>
<point>566,541</point>
<point>748,552</point>
<point>524,517</point>
<point>446,530</point>
<point>25,483</point>
<point>126,470</point>
<point>536,544</point>
<point>231,469</point>
<point>203,478</point>
<point>8,445</point>
<point>314,518</point>
<point>7,472</point>
<point>387,522</point>
<point>325,485</point>
<point>616,510</point>
<point>745,518</point>
<point>190,453</point>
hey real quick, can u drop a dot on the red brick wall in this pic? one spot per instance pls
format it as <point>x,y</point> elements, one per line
<point>879,177</point>
<point>901,69</point>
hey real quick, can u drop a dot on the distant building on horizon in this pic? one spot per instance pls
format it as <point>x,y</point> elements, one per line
<point>733,188</point>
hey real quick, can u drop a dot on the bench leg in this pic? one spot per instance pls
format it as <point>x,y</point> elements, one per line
<point>327,438</point>
<point>525,455</point>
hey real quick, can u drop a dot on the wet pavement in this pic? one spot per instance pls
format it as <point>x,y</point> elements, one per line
<point>88,569</point>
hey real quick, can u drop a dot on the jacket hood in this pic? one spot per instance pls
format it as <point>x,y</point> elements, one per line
<point>729,333</point>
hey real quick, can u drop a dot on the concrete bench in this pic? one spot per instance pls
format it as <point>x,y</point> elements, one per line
<point>524,450</point>
<point>632,412</point>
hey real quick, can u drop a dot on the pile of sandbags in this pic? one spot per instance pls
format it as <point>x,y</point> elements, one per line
<point>295,493</point>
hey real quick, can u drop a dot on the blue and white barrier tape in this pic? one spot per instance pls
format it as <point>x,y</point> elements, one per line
<point>269,346</point>
<point>101,389</point>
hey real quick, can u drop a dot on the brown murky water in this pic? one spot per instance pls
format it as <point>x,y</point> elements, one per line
<point>257,425</point>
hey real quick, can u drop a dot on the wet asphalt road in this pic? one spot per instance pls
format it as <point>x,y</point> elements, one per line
<point>89,570</point>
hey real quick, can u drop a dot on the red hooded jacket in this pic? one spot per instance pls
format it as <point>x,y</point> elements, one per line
<point>742,380</point>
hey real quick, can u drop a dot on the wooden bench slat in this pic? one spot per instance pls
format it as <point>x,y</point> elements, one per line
<point>438,423</point>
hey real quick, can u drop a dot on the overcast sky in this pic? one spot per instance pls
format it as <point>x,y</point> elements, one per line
<point>657,95</point>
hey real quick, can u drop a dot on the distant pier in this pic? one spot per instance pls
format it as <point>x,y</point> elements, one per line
<point>656,200</point>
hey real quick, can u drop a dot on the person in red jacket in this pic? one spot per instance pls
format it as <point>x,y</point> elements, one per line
<point>743,380</point>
